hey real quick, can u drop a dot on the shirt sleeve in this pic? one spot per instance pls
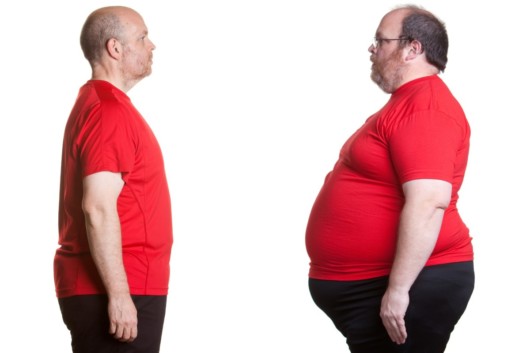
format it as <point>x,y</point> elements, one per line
<point>107,141</point>
<point>425,146</point>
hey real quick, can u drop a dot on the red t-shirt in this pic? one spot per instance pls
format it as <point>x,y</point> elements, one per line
<point>106,133</point>
<point>421,133</point>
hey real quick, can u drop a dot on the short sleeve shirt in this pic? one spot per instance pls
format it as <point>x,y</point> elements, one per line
<point>106,133</point>
<point>421,133</point>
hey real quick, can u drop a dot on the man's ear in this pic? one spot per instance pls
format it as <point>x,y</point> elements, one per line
<point>414,49</point>
<point>114,48</point>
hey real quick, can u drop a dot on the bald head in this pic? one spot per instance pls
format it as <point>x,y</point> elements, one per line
<point>102,25</point>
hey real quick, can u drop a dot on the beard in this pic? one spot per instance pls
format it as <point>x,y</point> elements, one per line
<point>387,73</point>
<point>136,66</point>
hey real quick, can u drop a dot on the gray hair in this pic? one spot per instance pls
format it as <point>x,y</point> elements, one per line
<point>423,26</point>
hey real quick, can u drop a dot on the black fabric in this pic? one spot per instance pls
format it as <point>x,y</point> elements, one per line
<point>87,319</point>
<point>438,299</point>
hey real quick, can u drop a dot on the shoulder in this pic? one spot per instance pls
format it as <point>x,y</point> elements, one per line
<point>427,95</point>
<point>108,102</point>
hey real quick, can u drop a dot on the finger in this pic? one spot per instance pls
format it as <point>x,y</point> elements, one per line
<point>401,332</point>
<point>130,335</point>
<point>119,333</point>
<point>134,333</point>
<point>396,330</point>
<point>112,328</point>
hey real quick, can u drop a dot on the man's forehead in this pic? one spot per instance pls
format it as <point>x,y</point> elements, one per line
<point>391,23</point>
<point>134,24</point>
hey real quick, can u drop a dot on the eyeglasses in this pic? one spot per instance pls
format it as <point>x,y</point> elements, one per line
<point>378,41</point>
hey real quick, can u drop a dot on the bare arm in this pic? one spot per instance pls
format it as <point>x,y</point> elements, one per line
<point>421,219</point>
<point>100,195</point>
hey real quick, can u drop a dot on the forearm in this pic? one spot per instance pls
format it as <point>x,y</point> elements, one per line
<point>419,227</point>
<point>418,232</point>
<point>104,237</point>
<point>100,199</point>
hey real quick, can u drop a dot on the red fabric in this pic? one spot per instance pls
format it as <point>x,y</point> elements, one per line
<point>106,133</point>
<point>421,133</point>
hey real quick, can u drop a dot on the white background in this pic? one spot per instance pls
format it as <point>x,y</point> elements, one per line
<point>251,102</point>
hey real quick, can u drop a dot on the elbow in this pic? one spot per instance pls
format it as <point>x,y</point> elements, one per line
<point>90,211</point>
<point>95,212</point>
<point>442,204</point>
<point>88,206</point>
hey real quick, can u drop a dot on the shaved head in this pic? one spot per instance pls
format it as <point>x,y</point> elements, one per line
<point>100,26</point>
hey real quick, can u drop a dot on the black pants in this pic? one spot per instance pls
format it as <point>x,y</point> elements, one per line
<point>87,319</point>
<point>438,299</point>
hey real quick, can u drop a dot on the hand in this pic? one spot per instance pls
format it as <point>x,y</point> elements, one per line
<point>123,318</point>
<point>393,308</point>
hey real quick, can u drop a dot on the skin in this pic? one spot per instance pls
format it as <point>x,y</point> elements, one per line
<point>425,199</point>
<point>123,64</point>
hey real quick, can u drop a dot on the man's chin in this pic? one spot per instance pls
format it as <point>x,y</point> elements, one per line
<point>375,77</point>
<point>148,72</point>
<point>378,80</point>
